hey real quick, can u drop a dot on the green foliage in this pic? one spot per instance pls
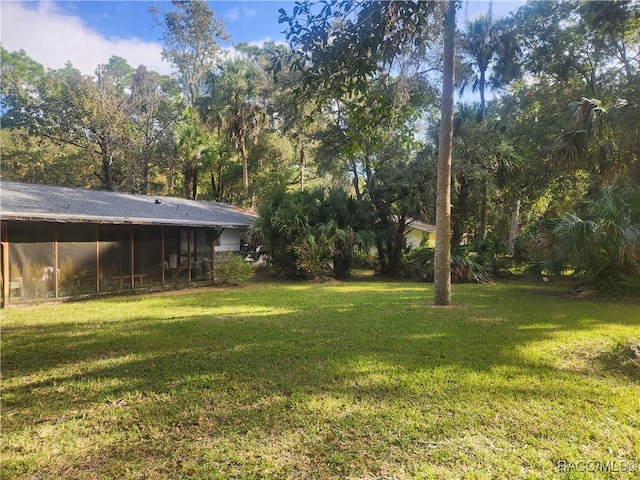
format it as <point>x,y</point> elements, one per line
<point>492,253</point>
<point>231,269</point>
<point>31,159</point>
<point>364,261</point>
<point>465,266</point>
<point>108,127</point>
<point>311,259</point>
<point>191,140</point>
<point>586,52</point>
<point>311,233</point>
<point>192,36</point>
<point>486,165</point>
<point>491,48</point>
<point>555,136</point>
<point>233,105</point>
<point>19,78</point>
<point>601,247</point>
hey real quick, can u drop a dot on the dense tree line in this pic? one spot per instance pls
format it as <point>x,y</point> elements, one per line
<point>354,104</point>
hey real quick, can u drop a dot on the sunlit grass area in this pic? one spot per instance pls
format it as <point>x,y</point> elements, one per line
<point>354,380</point>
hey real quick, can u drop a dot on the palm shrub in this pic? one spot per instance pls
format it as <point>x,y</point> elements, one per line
<point>311,259</point>
<point>282,228</point>
<point>464,266</point>
<point>341,225</point>
<point>601,247</point>
<point>311,233</point>
<point>491,252</point>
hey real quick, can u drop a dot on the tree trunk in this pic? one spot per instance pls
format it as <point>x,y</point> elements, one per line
<point>367,168</point>
<point>245,169</point>
<point>514,227</point>
<point>483,108</point>
<point>395,245</point>
<point>303,166</point>
<point>107,160</point>
<point>382,256</point>
<point>442,255</point>
<point>145,174</point>
<point>214,187</point>
<point>188,181</point>
<point>460,212</point>
<point>194,189</point>
<point>355,179</point>
<point>483,103</point>
<point>483,211</point>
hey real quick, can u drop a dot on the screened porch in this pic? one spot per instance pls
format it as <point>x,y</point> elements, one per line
<point>43,260</point>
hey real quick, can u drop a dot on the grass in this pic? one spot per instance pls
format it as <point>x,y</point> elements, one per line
<point>354,380</point>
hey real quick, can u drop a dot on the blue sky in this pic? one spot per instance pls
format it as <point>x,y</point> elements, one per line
<point>246,21</point>
<point>87,33</point>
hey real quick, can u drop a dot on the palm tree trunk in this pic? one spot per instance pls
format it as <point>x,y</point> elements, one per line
<point>245,169</point>
<point>188,181</point>
<point>483,211</point>
<point>145,174</point>
<point>355,179</point>
<point>194,189</point>
<point>303,166</point>
<point>483,103</point>
<point>442,255</point>
<point>107,160</point>
<point>514,227</point>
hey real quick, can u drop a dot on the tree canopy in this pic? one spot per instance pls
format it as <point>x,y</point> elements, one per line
<point>361,101</point>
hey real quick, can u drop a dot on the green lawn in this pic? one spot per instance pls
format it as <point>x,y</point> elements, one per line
<point>355,380</point>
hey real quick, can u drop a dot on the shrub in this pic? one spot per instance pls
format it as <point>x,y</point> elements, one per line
<point>364,261</point>
<point>311,234</point>
<point>492,253</point>
<point>601,246</point>
<point>312,263</point>
<point>230,269</point>
<point>464,268</point>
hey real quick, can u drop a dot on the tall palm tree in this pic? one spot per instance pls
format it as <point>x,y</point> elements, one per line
<point>234,105</point>
<point>585,143</point>
<point>442,253</point>
<point>191,140</point>
<point>492,49</point>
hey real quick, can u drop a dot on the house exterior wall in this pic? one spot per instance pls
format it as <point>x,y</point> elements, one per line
<point>229,241</point>
<point>416,238</point>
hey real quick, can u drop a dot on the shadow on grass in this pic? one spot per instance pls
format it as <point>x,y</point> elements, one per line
<point>228,363</point>
<point>253,339</point>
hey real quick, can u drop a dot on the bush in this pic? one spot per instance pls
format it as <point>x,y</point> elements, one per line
<point>230,269</point>
<point>311,262</point>
<point>311,234</point>
<point>492,253</point>
<point>464,267</point>
<point>601,247</point>
<point>364,261</point>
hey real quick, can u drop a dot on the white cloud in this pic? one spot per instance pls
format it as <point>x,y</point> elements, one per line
<point>249,12</point>
<point>232,52</point>
<point>232,14</point>
<point>260,43</point>
<point>52,38</point>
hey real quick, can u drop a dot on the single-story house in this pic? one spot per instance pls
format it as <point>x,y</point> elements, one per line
<point>65,242</point>
<point>419,234</point>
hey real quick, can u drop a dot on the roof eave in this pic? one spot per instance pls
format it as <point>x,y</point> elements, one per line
<point>40,217</point>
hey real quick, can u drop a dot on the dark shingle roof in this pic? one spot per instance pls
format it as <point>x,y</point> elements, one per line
<point>24,201</point>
